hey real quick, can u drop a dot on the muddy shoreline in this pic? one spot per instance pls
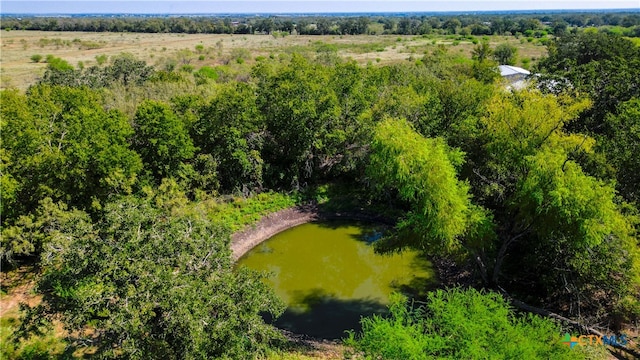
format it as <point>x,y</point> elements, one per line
<point>246,239</point>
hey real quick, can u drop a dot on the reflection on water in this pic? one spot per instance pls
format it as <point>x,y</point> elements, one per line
<point>329,275</point>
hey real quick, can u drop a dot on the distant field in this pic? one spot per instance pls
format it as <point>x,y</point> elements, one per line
<point>19,71</point>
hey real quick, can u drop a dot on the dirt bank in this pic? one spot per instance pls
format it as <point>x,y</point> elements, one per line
<point>268,226</point>
<point>245,240</point>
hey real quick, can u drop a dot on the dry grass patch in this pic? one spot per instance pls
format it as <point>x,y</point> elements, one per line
<point>17,69</point>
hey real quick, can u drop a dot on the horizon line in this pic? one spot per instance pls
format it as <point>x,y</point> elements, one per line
<point>196,7</point>
<point>205,13</point>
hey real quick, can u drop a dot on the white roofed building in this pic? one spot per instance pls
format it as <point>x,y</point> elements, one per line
<point>516,76</point>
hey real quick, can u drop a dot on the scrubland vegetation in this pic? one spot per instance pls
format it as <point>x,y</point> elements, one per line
<point>123,178</point>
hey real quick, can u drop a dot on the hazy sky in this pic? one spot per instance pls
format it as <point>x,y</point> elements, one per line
<point>297,6</point>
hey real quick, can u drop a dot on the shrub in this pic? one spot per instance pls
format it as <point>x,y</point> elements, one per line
<point>207,72</point>
<point>459,324</point>
<point>58,64</point>
<point>101,59</point>
<point>36,58</point>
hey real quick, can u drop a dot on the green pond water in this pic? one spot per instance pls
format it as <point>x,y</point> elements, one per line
<point>329,275</point>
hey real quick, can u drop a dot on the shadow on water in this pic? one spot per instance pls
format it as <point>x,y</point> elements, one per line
<point>419,286</point>
<point>371,231</point>
<point>323,316</point>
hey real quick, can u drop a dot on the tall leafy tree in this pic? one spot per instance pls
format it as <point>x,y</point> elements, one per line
<point>533,202</point>
<point>161,139</point>
<point>423,172</point>
<point>543,201</point>
<point>484,69</point>
<point>622,146</point>
<point>231,129</point>
<point>298,106</point>
<point>604,66</point>
<point>505,54</point>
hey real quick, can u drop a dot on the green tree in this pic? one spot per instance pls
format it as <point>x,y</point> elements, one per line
<point>484,69</point>
<point>559,27</point>
<point>422,109</point>
<point>533,204</point>
<point>622,145</point>
<point>423,172</point>
<point>605,67</point>
<point>153,285</point>
<point>481,52</point>
<point>452,25</point>
<point>602,65</point>
<point>505,54</point>
<point>63,144</point>
<point>161,139</point>
<point>231,129</point>
<point>31,233</point>
<point>128,70</point>
<point>298,106</point>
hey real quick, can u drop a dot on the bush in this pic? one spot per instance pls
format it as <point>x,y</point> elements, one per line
<point>207,72</point>
<point>36,58</point>
<point>58,64</point>
<point>459,324</point>
<point>101,59</point>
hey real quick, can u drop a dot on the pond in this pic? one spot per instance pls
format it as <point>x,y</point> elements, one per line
<point>329,275</point>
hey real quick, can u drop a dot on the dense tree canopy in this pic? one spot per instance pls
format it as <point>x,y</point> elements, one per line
<point>232,129</point>
<point>606,68</point>
<point>161,139</point>
<point>529,194</point>
<point>153,284</point>
<point>60,142</point>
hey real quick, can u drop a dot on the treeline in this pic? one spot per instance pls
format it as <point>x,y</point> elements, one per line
<point>623,23</point>
<point>110,185</point>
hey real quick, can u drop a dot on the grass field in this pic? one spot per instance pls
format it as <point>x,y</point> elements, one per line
<point>19,71</point>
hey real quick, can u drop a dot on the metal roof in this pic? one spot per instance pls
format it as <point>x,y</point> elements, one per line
<point>508,70</point>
